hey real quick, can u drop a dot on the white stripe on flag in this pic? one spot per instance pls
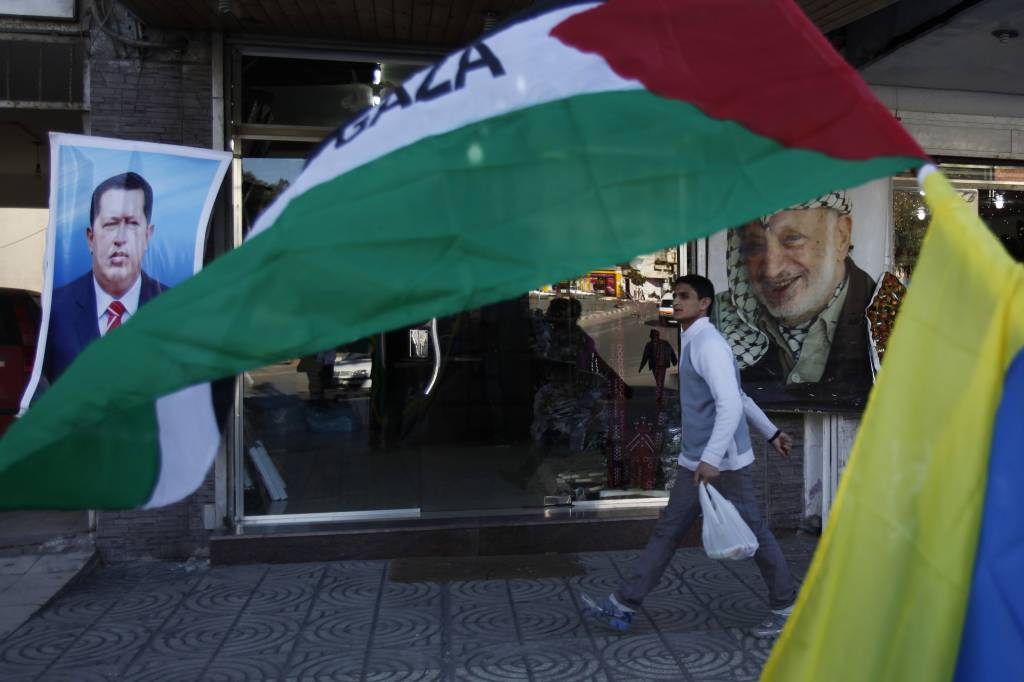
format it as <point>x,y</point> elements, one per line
<point>538,69</point>
<point>189,438</point>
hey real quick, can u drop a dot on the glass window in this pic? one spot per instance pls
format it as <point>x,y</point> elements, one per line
<point>304,92</point>
<point>268,168</point>
<point>996,192</point>
<point>542,399</point>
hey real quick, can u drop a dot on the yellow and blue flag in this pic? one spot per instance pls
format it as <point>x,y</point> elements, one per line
<point>918,574</point>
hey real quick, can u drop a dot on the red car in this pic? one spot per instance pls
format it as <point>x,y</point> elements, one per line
<point>19,328</point>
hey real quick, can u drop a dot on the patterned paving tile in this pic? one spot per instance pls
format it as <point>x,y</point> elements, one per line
<point>74,674</point>
<point>149,607</point>
<point>643,657</point>
<point>218,597</point>
<point>404,664</point>
<point>191,635</point>
<point>596,584</point>
<point>478,622</point>
<point>280,596</point>
<point>167,668</point>
<point>707,656</point>
<point>546,620</point>
<point>335,664</point>
<point>337,629</point>
<point>673,613</point>
<point>361,591</point>
<point>411,628</point>
<point>739,608</point>
<point>563,661</point>
<point>261,634</point>
<point>109,645</point>
<point>37,645</point>
<point>493,662</point>
<point>543,589</point>
<point>479,591</point>
<point>428,675</point>
<point>345,621</point>
<point>411,595</point>
<point>707,578</point>
<point>244,669</point>
<point>78,609</point>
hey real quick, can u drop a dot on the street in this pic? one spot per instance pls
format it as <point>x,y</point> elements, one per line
<point>630,331</point>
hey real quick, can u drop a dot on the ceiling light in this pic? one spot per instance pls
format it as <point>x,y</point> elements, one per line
<point>376,75</point>
<point>999,201</point>
<point>920,213</point>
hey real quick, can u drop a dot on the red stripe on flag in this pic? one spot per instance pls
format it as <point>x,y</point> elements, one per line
<point>760,63</point>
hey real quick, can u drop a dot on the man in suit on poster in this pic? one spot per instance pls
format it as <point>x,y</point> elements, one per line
<point>102,299</point>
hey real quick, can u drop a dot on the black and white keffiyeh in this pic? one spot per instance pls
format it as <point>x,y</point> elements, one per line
<point>737,309</point>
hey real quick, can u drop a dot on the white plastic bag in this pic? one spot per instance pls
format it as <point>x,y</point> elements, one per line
<point>726,535</point>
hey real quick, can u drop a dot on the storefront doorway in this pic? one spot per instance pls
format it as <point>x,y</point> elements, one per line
<point>533,402</point>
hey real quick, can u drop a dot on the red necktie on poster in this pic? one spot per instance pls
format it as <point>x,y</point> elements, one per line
<point>114,312</point>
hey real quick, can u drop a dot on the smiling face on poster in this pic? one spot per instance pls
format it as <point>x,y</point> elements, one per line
<point>794,311</point>
<point>127,222</point>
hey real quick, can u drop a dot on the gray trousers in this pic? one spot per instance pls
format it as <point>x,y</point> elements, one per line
<point>676,519</point>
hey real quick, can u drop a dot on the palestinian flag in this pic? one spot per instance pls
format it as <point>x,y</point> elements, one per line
<point>579,135</point>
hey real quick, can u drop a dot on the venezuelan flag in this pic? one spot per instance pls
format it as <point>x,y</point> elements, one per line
<point>920,572</point>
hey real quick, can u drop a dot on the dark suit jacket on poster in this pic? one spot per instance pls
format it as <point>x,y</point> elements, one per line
<point>73,321</point>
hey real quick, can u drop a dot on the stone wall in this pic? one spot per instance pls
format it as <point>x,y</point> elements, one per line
<point>779,481</point>
<point>160,93</point>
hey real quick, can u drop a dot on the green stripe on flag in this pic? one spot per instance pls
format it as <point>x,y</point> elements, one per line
<point>455,221</point>
<point>111,464</point>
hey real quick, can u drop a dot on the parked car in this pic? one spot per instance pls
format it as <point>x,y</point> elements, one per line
<point>353,370</point>
<point>665,310</point>
<point>19,328</point>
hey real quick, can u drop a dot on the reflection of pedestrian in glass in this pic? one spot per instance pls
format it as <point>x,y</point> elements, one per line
<point>577,381</point>
<point>319,369</point>
<point>658,355</point>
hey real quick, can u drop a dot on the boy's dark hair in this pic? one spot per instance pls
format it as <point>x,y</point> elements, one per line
<point>702,285</point>
<point>128,182</point>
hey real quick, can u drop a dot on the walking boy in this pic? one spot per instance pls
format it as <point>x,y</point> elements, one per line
<point>716,449</point>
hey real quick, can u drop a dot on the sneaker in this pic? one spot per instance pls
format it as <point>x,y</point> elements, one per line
<point>772,625</point>
<point>608,611</point>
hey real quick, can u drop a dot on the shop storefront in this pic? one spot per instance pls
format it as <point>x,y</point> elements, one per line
<point>524,405</point>
<point>534,408</point>
<point>538,404</point>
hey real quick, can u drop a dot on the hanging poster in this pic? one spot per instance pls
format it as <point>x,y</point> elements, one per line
<point>127,221</point>
<point>800,283</point>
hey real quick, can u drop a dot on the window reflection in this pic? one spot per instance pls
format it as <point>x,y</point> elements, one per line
<point>996,193</point>
<point>542,398</point>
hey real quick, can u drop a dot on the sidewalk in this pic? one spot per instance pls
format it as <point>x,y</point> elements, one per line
<point>349,621</point>
<point>41,553</point>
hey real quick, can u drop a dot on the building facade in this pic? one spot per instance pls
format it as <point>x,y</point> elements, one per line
<point>522,426</point>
